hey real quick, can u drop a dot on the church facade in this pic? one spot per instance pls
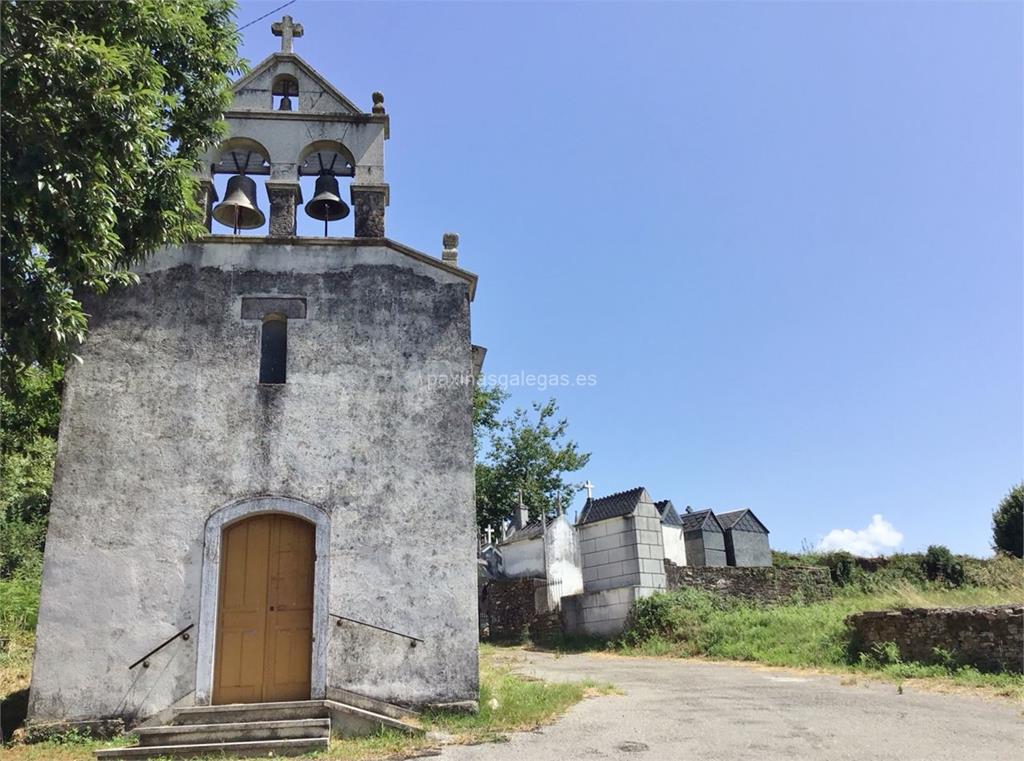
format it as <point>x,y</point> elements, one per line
<point>262,491</point>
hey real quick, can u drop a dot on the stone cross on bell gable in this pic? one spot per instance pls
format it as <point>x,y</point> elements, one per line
<point>286,30</point>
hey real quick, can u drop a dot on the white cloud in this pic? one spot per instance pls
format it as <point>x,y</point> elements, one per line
<point>879,537</point>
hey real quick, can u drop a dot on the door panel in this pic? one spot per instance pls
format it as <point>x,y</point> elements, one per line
<point>290,610</point>
<point>265,613</point>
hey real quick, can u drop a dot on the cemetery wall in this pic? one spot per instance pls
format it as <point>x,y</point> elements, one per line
<point>767,585</point>
<point>990,638</point>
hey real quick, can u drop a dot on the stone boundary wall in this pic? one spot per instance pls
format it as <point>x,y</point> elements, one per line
<point>509,607</point>
<point>990,638</point>
<point>767,584</point>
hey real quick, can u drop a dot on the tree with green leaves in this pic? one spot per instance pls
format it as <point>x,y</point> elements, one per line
<point>28,444</point>
<point>530,453</point>
<point>106,108</point>
<point>487,403</point>
<point>1008,523</point>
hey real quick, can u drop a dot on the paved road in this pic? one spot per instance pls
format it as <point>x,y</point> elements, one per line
<point>680,710</point>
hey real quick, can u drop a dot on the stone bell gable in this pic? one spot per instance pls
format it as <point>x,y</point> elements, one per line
<point>287,121</point>
<point>283,73</point>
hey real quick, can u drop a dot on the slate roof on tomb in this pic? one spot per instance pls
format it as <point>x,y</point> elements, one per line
<point>668,513</point>
<point>742,520</point>
<point>700,519</point>
<point>532,530</point>
<point>616,505</point>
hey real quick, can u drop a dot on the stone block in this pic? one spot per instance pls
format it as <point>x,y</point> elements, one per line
<point>597,558</point>
<point>651,565</point>
<point>609,570</point>
<point>622,553</point>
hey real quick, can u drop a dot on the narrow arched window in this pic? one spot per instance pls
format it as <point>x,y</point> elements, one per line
<point>283,89</point>
<point>274,350</point>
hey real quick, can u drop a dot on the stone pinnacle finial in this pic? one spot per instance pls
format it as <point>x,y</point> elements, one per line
<point>450,252</point>
<point>378,102</point>
<point>286,30</point>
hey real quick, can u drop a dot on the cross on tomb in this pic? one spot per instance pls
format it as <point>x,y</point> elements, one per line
<point>590,489</point>
<point>286,30</point>
<point>490,534</point>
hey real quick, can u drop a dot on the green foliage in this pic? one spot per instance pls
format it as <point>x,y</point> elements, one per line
<point>531,453</point>
<point>29,417</point>
<point>999,572</point>
<point>106,109</point>
<point>940,565</point>
<point>940,568</point>
<point>19,605</point>
<point>841,567</point>
<point>1008,523</point>
<point>486,407</point>
<point>882,654</point>
<point>695,623</point>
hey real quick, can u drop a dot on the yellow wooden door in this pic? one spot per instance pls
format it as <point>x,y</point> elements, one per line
<point>265,613</point>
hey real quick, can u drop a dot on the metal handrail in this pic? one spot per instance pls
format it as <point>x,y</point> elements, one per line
<point>144,659</point>
<point>378,628</point>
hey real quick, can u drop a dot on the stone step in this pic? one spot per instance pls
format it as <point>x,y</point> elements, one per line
<point>352,721</point>
<point>347,697</point>
<point>234,713</point>
<point>292,747</point>
<point>244,731</point>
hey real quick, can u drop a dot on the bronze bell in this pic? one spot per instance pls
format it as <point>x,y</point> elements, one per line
<point>286,104</point>
<point>326,203</point>
<point>238,210</point>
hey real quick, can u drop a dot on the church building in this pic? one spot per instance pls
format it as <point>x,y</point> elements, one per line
<point>264,481</point>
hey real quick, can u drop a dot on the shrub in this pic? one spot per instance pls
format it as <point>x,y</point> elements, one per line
<point>1000,572</point>
<point>940,565</point>
<point>842,567</point>
<point>670,616</point>
<point>883,654</point>
<point>1008,523</point>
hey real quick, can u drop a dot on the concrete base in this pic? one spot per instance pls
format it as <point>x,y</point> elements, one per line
<point>603,613</point>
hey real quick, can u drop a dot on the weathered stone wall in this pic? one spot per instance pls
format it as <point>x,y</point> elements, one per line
<point>164,422</point>
<point>989,638</point>
<point>765,585</point>
<point>509,607</point>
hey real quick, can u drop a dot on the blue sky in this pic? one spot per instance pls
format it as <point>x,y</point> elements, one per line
<point>786,238</point>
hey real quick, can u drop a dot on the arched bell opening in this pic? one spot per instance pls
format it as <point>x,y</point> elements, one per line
<point>239,177</point>
<point>326,168</point>
<point>284,93</point>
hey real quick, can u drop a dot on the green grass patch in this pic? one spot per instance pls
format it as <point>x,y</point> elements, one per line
<point>689,623</point>
<point>508,702</point>
<point>19,605</point>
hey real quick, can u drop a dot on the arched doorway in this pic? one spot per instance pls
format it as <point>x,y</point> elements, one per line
<point>263,621</point>
<point>265,610</point>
